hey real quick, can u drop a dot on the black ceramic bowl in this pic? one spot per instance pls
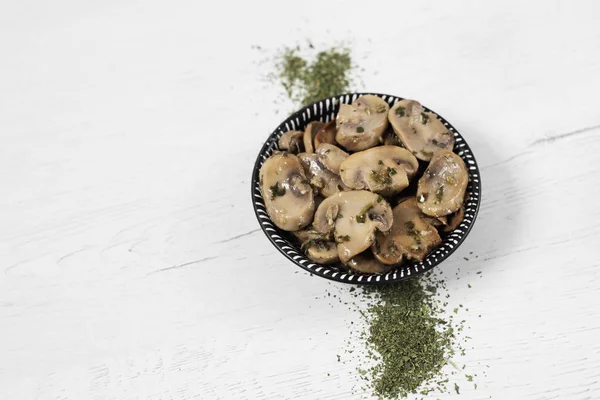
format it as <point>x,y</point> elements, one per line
<point>325,110</point>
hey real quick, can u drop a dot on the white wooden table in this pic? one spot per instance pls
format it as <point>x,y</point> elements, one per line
<point>132,266</point>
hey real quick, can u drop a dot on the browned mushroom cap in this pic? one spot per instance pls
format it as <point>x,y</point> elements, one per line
<point>366,264</point>
<point>309,135</point>
<point>287,195</point>
<point>322,180</point>
<point>326,134</point>
<point>331,156</point>
<point>360,125</point>
<point>353,217</point>
<point>421,132</point>
<point>411,236</point>
<point>292,141</point>
<point>442,187</point>
<point>383,169</point>
<point>321,251</point>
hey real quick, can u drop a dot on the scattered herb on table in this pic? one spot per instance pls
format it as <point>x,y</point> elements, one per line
<point>306,82</point>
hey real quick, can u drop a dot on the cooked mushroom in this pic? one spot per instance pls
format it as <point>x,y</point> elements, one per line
<point>321,251</point>
<point>411,236</point>
<point>292,141</point>
<point>442,187</point>
<point>454,220</point>
<point>353,217</point>
<point>325,135</point>
<point>331,156</point>
<point>420,131</point>
<point>390,138</point>
<point>384,169</point>
<point>309,135</point>
<point>318,246</point>
<point>366,264</point>
<point>435,221</point>
<point>287,195</point>
<point>323,180</point>
<point>360,125</point>
<point>304,235</point>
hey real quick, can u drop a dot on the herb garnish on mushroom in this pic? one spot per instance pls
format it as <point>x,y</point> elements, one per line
<point>338,214</point>
<point>420,131</point>
<point>360,125</point>
<point>288,196</point>
<point>442,187</point>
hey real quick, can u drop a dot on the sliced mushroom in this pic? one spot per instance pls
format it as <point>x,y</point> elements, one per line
<point>411,236</point>
<point>288,196</point>
<point>366,264</point>
<point>331,156</point>
<point>360,125</point>
<point>309,135</point>
<point>435,221</point>
<point>304,235</point>
<point>455,219</point>
<point>292,141</point>
<point>420,131</point>
<point>384,169</point>
<point>321,251</point>
<point>325,135</point>
<point>442,187</point>
<point>353,217</point>
<point>323,180</point>
<point>390,138</point>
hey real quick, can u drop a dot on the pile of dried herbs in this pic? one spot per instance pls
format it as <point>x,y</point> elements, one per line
<point>306,82</point>
<point>408,336</point>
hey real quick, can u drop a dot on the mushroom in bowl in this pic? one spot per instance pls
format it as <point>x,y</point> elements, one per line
<point>354,234</point>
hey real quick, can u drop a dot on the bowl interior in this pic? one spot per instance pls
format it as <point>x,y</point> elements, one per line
<point>324,111</point>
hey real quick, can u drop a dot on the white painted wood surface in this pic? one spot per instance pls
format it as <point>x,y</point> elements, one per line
<point>131,264</point>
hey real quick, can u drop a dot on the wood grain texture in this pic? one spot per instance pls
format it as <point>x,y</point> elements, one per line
<point>131,264</point>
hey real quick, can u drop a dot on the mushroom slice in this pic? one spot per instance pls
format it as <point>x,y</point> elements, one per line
<point>353,217</point>
<point>325,135</point>
<point>420,131</point>
<point>292,141</point>
<point>454,220</point>
<point>288,196</point>
<point>409,202</point>
<point>323,180</point>
<point>390,138</point>
<point>442,187</point>
<point>367,264</point>
<point>360,125</point>
<point>305,235</point>
<point>331,156</point>
<point>321,251</point>
<point>411,237</point>
<point>384,169</point>
<point>309,135</point>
